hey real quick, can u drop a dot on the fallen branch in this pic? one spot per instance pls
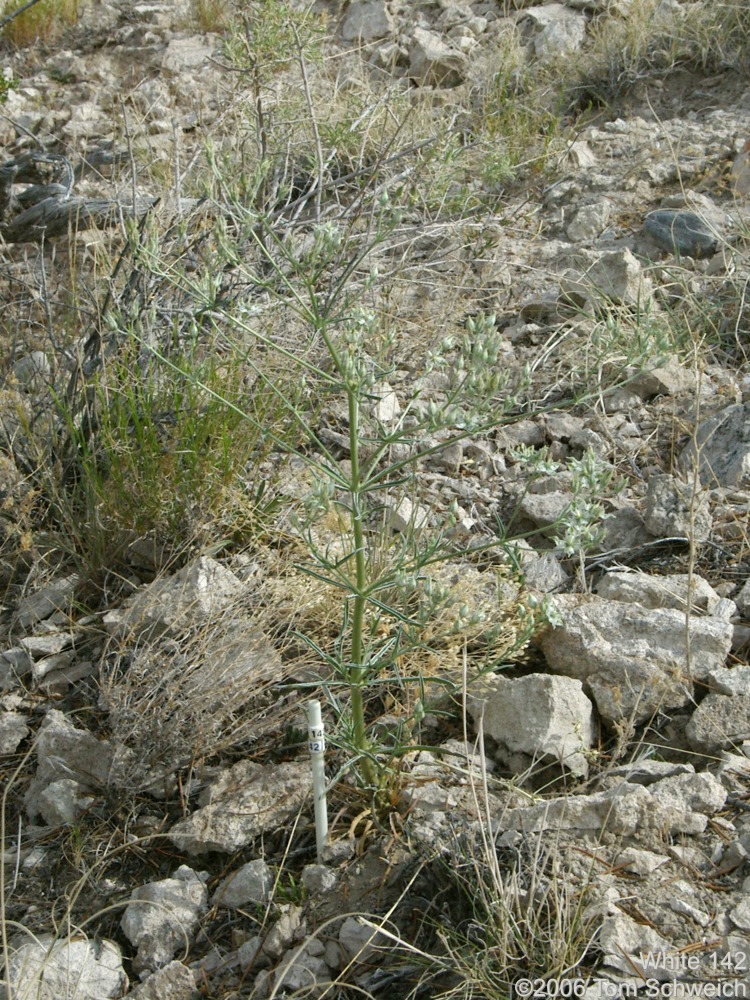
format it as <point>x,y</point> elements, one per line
<point>57,216</point>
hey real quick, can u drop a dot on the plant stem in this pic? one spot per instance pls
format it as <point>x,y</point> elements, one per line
<point>357,667</point>
<point>356,671</point>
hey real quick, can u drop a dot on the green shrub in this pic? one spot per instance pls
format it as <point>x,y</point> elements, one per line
<point>168,457</point>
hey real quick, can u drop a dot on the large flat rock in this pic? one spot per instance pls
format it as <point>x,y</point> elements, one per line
<point>634,660</point>
<point>245,801</point>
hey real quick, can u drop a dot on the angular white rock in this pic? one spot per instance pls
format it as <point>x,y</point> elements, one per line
<point>162,917</point>
<point>46,968</point>
<point>538,715</point>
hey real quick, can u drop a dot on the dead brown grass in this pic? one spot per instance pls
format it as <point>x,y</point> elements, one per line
<point>42,22</point>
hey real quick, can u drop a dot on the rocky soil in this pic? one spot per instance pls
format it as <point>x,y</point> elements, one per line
<point>580,810</point>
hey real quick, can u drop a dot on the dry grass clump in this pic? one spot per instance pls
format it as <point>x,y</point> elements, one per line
<point>18,501</point>
<point>480,611</point>
<point>200,691</point>
<point>157,437</point>
<point>515,118</point>
<point>164,456</point>
<point>310,136</point>
<point>210,15</point>
<point>42,22</point>
<point>652,40</point>
<point>524,916</point>
<point>719,30</point>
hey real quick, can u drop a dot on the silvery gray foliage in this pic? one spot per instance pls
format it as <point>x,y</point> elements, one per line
<point>479,386</point>
<point>582,521</point>
<point>580,528</point>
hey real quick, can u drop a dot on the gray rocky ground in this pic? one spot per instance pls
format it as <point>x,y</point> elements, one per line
<point>580,813</point>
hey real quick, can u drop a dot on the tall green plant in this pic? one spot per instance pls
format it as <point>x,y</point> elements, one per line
<point>386,561</point>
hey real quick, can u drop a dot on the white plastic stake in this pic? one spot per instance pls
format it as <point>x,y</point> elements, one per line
<point>317,745</point>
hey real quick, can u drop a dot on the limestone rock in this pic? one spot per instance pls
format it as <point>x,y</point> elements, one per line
<point>318,879</point>
<point>431,806</point>
<point>46,967</point>
<point>162,916</point>
<point>49,644</point>
<point>743,599</point>
<point>13,729</point>
<point>623,942</point>
<point>170,604</point>
<point>542,571</point>
<point>722,448</point>
<point>740,915</point>
<point>65,752</point>
<point>284,931</point>
<point>719,722</point>
<point>589,221</point>
<point>538,717</point>
<point>581,155</point>
<point>675,509</point>
<point>15,664</point>
<point>303,973</point>
<point>670,379</point>
<point>615,277</point>
<point>552,29</point>
<point>700,917</point>
<point>669,591</point>
<point>648,771</point>
<point>729,680</point>
<point>55,596</point>
<point>250,953</point>
<point>681,804</point>
<point>545,509</point>
<point>632,658</point>
<point>433,62</point>
<point>387,408</point>
<point>359,941</point>
<point>250,884</point>
<point>188,54</point>
<point>625,531</point>
<point>620,810</point>
<point>740,174</point>
<point>61,802</point>
<point>172,982</point>
<point>404,515</point>
<point>243,802</point>
<point>367,21</point>
<point>640,862</point>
